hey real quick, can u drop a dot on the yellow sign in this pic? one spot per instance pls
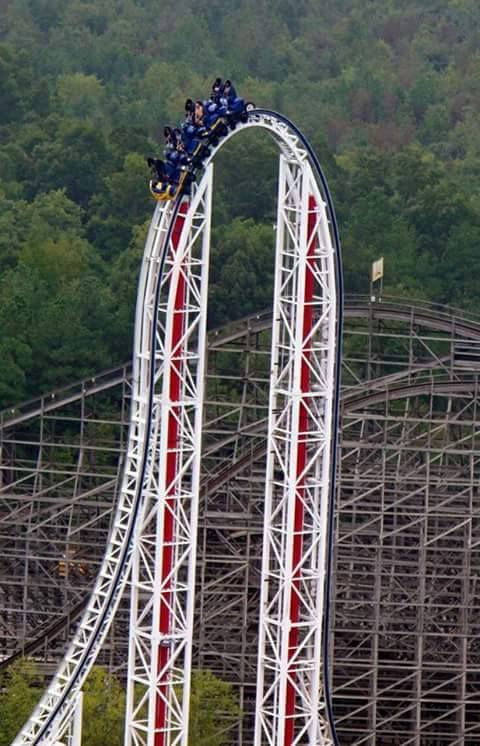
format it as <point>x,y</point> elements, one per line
<point>377,269</point>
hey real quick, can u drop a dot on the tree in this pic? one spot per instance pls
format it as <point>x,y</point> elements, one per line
<point>123,287</point>
<point>103,709</point>
<point>21,691</point>
<point>242,270</point>
<point>15,77</point>
<point>82,96</point>
<point>51,215</point>
<point>213,710</point>
<point>21,295</point>
<point>15,360</point>
<point>72,339</point>
<point>74,159</point>
<point>238,171</point>
<point>103,704</point>
<point>11,212</point>
<point>55,317</point>
<point>123,203</point>
<point>58,261</point>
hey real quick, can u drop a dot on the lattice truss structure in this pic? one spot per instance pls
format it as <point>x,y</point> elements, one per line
<point>289,691</point>
<point>164,556</point>
<point>406,667</point>
<point>154,530</point>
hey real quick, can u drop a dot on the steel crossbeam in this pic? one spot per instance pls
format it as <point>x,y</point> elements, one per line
<point>407,535</point>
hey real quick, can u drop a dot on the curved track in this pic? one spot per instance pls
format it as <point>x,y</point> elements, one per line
<point>389,309</point>
<point>51,717</point>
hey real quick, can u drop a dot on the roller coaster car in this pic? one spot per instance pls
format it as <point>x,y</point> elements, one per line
<point>216,129</point>
<point>219,117</point>
<point>238,111</point>
<point>188,147</point>
<point>163,191</point>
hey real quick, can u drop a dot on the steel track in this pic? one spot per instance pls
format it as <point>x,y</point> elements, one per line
<point>55,707</point>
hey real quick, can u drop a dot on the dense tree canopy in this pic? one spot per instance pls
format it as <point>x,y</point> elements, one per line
<point>213,706</point>
<point>388,93</point>
<point>20,689</point>
<point>213,710</point>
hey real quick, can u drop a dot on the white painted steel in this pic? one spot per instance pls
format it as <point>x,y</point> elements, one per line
<point>281,670</point>
<point>77,721</point>
<point>61,693</point>
<point>140,515</point>
<point>178,493</point>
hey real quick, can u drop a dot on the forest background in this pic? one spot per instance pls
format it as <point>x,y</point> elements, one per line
<point>388,93</point>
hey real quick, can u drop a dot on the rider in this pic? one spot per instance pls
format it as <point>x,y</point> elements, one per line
<point>169,141</point>
<point>198,113</point>
<point>157,168</point>
<point>217,90</point>
<point>186,147</point>
<point>228,94</point>
<point>189,111</point>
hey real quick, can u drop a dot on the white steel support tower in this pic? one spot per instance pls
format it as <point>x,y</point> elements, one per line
<point>163,570</point>
<point>155,527</point>
<point>289,693</point>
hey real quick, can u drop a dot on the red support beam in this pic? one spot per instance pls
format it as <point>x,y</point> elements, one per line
<point>168,541</point>
<point>303,425</point>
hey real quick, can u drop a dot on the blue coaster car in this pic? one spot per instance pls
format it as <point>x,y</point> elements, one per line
<point>166,177</point>
<point>213,112</point>
<point>190,137</point>
<point>238,110</point>
<point>187,147</point>
<point>214,121</point>
<point>163,191</point>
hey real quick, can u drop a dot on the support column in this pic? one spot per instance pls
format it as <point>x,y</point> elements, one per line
<point>289,692</point>
<point>163,574</point>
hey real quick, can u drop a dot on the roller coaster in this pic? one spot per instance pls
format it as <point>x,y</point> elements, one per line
<point>403,630</point>
<point>153,538</point>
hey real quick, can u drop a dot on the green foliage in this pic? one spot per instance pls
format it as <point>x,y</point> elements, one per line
<point>75,158</point>
<point>103,709</point>
<point>213,710</point>
<point>54,318</point>
<point>123,285</point>
<point>16,82</point>
<point>103,704</point>
<point>242,271</point>
<point>81,96</point>
<point>238,173</point>
<point>20,691</point>
<point>120,206</point>
<point>389,95</point>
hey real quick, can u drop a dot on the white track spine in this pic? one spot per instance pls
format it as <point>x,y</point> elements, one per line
<point>62,693</point>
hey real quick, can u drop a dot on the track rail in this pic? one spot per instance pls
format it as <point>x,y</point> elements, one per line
<point>48,633</point>
<point>387,309</point>
<point>350,401</point>
<point>51,717</point>
<point>56,706</point>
